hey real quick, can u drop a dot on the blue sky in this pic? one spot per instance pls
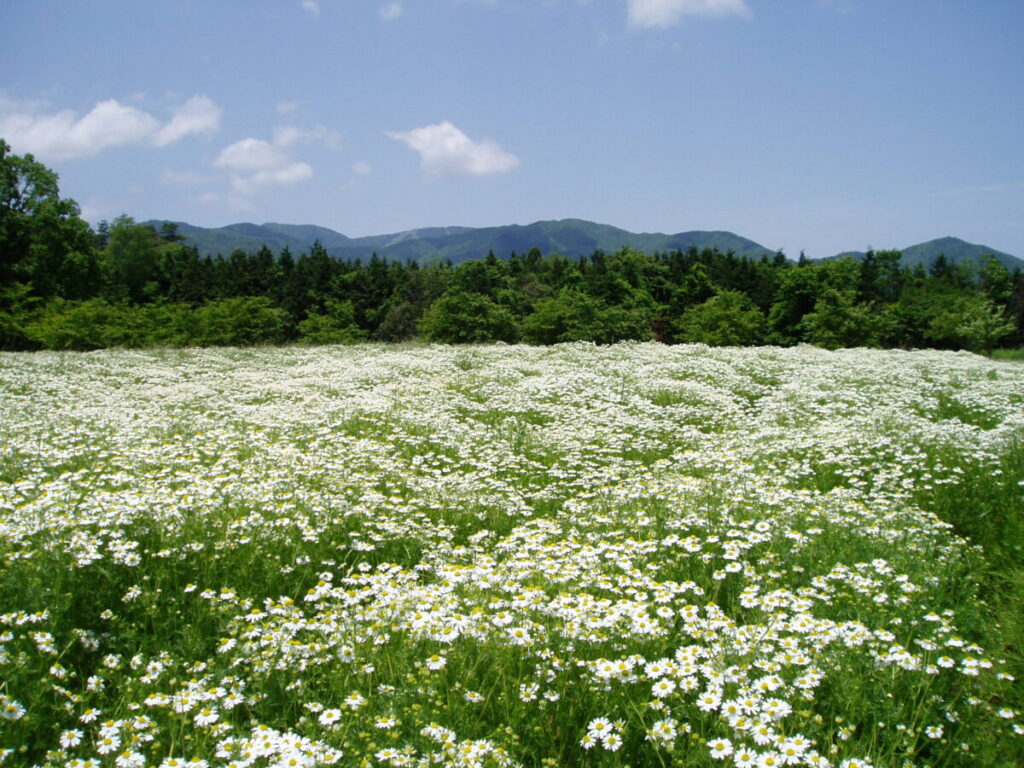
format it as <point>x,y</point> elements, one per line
<point>822,125</point>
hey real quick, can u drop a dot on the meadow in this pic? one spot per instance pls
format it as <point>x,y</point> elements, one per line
<point>629,555</point>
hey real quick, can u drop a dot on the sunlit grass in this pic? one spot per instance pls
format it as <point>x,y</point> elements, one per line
<point>630,555</point>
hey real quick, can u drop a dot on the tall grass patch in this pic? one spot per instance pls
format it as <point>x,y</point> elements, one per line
<point>495,556</point>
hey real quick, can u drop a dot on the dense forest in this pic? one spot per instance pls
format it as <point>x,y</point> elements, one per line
<point>64,285</point>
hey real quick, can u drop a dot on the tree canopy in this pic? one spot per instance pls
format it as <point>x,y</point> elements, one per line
<point>65,286</point>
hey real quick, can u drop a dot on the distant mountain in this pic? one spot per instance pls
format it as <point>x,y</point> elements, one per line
<point>568,237</point>
<point>245,237</point>
<point>308,234</point>
<point>957,251</point>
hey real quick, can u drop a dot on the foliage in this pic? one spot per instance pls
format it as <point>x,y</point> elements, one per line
<point>839,320</point>
<point>45,246</point>
<point>971,322</point>
<point>16,310</point>
<point>460,317</point>
<point>240,321</point>
<point>92,324</point>
<point>727,319</point>
<point>576,316</point>
<point>99,323</point>
<point>54,271</point>
<point>336,325</point>
<point>1008,354</point>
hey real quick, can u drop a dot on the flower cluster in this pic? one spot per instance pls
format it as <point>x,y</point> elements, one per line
<point>496,556</point>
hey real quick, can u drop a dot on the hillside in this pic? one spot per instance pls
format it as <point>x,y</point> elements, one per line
<point>957,251</point>
<point>568,237</point>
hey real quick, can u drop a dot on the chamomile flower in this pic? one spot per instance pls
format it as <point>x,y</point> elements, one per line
<point>720,748</point>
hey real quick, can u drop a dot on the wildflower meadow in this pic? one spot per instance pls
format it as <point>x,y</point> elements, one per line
<point>628,555</point>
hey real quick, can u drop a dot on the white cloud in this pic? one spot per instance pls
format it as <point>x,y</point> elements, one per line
<point>666,13</point>
<point>109,123</point>
<point>251,155</point>
<point>286,107</point>
<point>361,168</point>
<point>312,7</point>
<point>289,135</point>
<point>285,176</point>
<point>200,115</point>
<point>445,150</point>
<point>256,164</point>
<point>390,11</point>
<point>65,135</point>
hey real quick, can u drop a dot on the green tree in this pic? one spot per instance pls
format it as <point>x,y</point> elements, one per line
<point>971,322</point>
<point>576,316</point>
<point>131,262</point>
<point>240,321</point>
<point>25,186</point>
<point>794,298</point>
<point>881,277</point>
<point>839,320</point>
<point>16,311</point>
<point>460,317</point>
<point>728,319</point>
<point>994,280</point>
<point>45,245</point>
<point>799,292</point>
<point>335,325</point>
<point>85,325</point>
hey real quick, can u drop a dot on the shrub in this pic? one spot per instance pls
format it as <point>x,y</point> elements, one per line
<point>337,325</point>
<point>240,321</point>
<point>86,325</point>
<point>467,318</point>
<point>728,319</point>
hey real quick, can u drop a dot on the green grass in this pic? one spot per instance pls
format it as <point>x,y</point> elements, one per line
<point>498,578</point>
<point>1010,355</point>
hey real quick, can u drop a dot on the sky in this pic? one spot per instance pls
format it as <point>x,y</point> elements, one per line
<point>805,125</point>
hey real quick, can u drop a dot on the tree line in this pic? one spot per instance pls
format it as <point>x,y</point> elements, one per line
<point>64,285</point>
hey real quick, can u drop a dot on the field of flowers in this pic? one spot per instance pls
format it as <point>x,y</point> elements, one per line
<point>634,555</point>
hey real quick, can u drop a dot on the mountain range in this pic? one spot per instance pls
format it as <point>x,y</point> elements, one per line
<point>568,237</point>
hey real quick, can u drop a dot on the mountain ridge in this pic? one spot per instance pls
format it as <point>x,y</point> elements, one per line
<point>569,237</point>
<point>956,251</point>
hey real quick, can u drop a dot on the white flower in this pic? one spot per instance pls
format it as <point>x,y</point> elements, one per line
<point>354,701</point>
<point>720,748</point>
<point>436,662</point>
<point>612,742</point>
<point>329,717</point>
<point>108,744</point>
<point>663,730</point>
<point>744,758</point>
<point>708,702</point>
<point>663,688</point>
<point>599,727</point>
<point>70,739</point>
<point>130,759</point>
<point>11,709</point>
<point>206,716</point>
